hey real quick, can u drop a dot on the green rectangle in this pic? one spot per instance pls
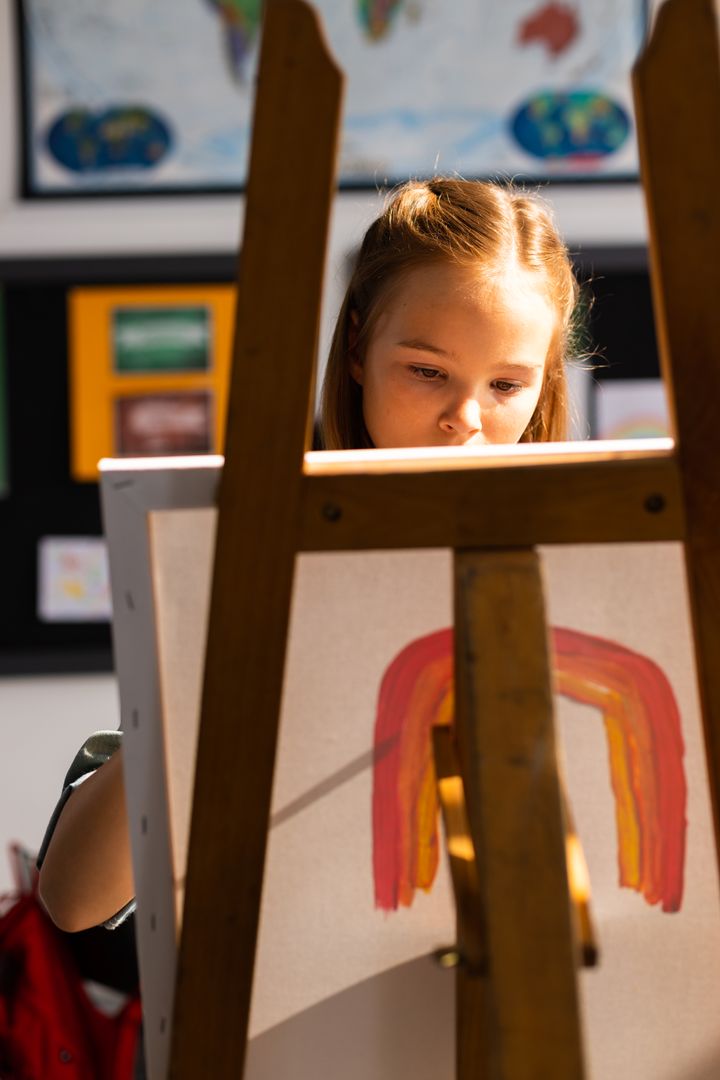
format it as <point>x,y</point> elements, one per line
<point>161,339</point>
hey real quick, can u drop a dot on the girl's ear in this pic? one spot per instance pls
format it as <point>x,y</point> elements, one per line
<point>354,361</point>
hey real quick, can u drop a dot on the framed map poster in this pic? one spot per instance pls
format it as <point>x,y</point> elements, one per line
<point>138,96</point>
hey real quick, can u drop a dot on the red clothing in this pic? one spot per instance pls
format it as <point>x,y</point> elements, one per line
<point>49,1029</point>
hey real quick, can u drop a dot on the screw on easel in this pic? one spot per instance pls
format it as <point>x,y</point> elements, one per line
<point>655,503</point>
<point>331,512</point>
<point>448,957</point>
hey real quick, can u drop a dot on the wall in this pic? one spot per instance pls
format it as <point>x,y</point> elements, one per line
<point>44,720</point>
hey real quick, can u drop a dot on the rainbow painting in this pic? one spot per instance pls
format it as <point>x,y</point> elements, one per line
<point>645,752</point>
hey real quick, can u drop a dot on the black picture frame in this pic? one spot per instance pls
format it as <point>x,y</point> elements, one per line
<point>30,190</point>
<point>42,498</point>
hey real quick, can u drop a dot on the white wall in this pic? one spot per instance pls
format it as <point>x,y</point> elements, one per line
<point>44,720</point>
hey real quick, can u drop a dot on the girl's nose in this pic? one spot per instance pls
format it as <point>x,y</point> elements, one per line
<point>463,418</point>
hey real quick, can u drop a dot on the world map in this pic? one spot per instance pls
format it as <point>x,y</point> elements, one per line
<point>158,94</point>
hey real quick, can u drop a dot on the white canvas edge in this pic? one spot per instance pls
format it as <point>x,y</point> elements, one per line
<point>130,490</point>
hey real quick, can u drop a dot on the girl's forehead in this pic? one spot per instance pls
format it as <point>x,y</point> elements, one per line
<point>432,285</point>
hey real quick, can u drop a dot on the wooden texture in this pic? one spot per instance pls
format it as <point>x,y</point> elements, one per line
<point>471,1027</point>
<point>463,865</point>
<point>280,279</point>
<point>535,501</point>
<point>506,740</point>
<point>677,91</point>
<point>428,459</point>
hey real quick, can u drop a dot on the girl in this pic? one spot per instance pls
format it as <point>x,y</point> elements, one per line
<point>454,332</point>
<point>455,326</point>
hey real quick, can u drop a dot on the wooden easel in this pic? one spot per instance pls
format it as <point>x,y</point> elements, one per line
<point>518,1008</point>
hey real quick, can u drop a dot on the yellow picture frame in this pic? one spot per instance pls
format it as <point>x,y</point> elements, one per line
<point>98,385</point>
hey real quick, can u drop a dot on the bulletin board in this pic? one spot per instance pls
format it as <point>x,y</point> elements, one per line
<point>3,406</point>
<point>55,614</point>
<point>627,398</point>
<point>149,371</point>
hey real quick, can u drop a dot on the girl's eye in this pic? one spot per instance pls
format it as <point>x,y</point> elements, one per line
<point>426,374</point>
<point>506,387</point>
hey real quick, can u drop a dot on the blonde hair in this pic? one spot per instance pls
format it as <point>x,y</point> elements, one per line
<point>467,222</point>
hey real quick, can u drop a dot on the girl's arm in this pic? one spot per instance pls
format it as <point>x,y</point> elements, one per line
<point>86,875</point>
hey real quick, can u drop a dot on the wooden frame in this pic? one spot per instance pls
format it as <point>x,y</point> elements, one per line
<point>96,386</point>
<point>370,499</point>
<point>286,225</point>
<point>677,160</point>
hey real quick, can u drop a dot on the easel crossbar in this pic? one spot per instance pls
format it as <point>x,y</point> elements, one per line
<point>508,502</point>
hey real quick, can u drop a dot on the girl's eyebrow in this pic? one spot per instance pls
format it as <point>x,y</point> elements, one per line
<point>519,365</point>
<point>423,346</point>
<point>510,365</point>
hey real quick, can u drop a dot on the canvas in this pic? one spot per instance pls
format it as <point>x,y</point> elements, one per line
<point>356,895</point>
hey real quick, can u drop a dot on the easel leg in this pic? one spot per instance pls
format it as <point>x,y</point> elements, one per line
<point>471,1027</point>
<point>259,503</point>
<point>676,152</point>
<point>506,742</point>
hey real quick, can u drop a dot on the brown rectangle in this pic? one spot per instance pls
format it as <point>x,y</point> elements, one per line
<point>159,424</point>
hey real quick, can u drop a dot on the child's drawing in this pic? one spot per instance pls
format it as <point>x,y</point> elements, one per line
<point>159,95</point>
<point>645,749</point>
